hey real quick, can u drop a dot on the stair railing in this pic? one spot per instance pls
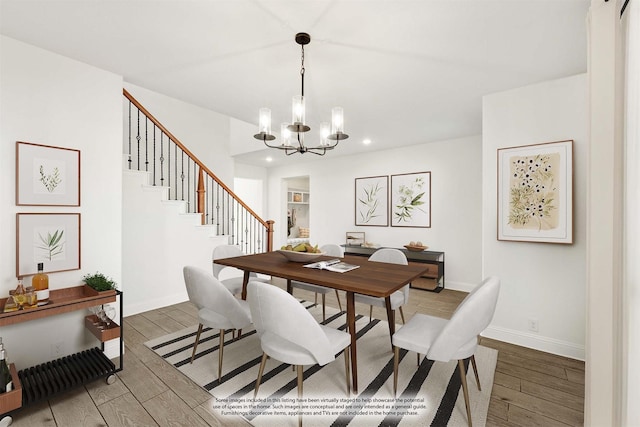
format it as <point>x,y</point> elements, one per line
<point>152,148</point>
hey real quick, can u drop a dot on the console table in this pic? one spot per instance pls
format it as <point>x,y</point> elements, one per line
<point>433,280</point>
<point>32,385</point>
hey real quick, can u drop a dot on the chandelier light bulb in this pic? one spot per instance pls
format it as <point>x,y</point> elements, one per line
<point>337,119</point>
<point>285,134</point>
<point>264,125</point>
<point>325,131</point>
<point>297,110</point>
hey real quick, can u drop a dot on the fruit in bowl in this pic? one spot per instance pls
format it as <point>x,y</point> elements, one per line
<point>416,246</point>
<point>302,252</point>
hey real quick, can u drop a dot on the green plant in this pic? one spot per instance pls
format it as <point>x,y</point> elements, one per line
<point>99,282</point>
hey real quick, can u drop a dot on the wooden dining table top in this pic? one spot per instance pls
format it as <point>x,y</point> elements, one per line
<point>378,279</point>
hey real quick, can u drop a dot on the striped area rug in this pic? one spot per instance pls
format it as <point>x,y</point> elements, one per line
<point>428,394</point>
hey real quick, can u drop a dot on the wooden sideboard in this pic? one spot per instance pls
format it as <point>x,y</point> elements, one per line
<point>433,280</point>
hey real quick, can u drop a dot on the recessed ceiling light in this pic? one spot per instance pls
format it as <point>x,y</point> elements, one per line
<point>269,159</point>
<point>366,141</point>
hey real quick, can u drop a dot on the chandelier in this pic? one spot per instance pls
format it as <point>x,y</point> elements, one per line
<point>292,134</point>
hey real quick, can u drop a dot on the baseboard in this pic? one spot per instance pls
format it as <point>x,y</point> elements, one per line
<point>537,342</point>
<point>459,286</point>
<point>155,303</point>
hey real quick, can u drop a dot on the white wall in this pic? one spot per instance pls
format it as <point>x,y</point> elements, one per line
<point>52,100</point>
<point>456,199</point>
<point>540,281</point>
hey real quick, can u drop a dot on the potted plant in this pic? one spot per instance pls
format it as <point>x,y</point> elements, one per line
<point>98,282</point>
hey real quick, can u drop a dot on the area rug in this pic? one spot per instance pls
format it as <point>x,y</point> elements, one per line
<point>428,394</point>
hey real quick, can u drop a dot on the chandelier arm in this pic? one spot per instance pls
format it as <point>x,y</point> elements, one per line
<point>310,150</point>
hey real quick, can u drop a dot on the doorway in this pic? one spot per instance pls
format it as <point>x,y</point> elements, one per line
<point>297,208</point>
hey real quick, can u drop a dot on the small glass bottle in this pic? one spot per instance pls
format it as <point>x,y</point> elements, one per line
<point>10,303</point>
<point>32,297</point>
<point>20,295</point>
<point>40,283</point>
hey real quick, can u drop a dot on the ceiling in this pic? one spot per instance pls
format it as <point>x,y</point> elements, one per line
<point>405,72</point>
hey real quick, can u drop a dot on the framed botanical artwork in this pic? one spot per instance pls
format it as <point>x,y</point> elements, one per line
<point>372,201</point>
<point>49,238</point>
<point>355,238</point>
<point>535,193</point>
<point>46,175</point>
<point>411,200</point>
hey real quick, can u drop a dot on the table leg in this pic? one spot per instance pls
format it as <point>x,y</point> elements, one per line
<point>289,287</point>
<point>391,318</point>
<point>351,322</point>
<point>245,282</point>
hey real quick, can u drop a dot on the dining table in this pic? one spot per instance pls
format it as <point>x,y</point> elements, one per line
<point>377,279</point>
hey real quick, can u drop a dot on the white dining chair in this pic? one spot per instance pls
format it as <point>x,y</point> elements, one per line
<point>290,334</point>
<point>234,284</point>
<point>398,298</point>
<point>330,250</point>
<point>217,307</point>
<point>454,339</point>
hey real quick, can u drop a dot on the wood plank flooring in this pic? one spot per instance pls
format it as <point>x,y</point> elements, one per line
<point>531,388</point>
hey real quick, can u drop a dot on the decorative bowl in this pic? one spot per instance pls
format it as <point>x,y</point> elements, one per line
<point>416,248</point>
<point>300,256</point>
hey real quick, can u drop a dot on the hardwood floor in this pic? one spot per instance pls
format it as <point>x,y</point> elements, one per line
<point>531,388</point>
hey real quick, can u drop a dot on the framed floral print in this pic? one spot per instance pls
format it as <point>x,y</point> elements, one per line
<point>535,193</point>
<point>46,175</point>
<point>372,201</point>
<point>411,200</point>
<point>49,238</point>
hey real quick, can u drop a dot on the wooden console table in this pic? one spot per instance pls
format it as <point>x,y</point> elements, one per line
<point>433,280</point>
<point>43,381</point>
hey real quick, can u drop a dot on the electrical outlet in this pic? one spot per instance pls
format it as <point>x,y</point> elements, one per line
<point>57,349</point>
<point>533,325</point>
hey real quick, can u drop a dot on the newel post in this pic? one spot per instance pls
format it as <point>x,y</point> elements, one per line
<point>200,191</point>
<point>270,223</point>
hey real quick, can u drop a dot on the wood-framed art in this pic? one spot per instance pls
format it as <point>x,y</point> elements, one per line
<point>535,193</point>
<point>47,175</point>
<point>372,201</point>
<point>411,200</point>
<point>355,238</point>
<point>50,238</point>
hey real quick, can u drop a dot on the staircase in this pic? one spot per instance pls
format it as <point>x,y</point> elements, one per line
<point>175,211</point>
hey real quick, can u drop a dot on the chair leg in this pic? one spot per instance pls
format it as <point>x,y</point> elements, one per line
<point>475,370</point>
<point>260,371</point>
<point>346,370</point>
<point>195,345</point>
<point>465,390</point>
<point>323,306</point>
<point>315,299</point>
<point>418,359</point>
<point>396,360</point>
<point>300,376</point>
<point>402,315</point>
<point>370,312</point>
<point>220,354</point>
<point>338,298</point>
